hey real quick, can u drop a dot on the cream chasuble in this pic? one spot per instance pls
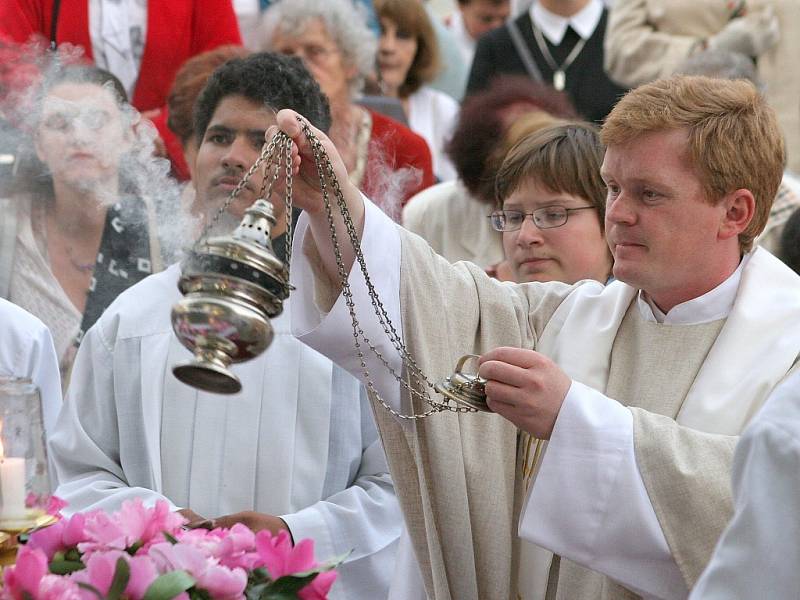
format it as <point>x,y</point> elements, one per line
<point>455,474</point>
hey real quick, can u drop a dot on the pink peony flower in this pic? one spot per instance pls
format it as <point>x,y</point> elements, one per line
<point>24,577</point>
<point>234,547</point>
<point>217,580</point>
<point>54,505</point>
<point>275,552</point>
<point>55,587</point>
<point>99,571</point>
<point>60,536</point>
<point>143,573</point>
<point>146,525</point>
<point>132,524</point>
<point>102,534</point>
<point>319,587</point>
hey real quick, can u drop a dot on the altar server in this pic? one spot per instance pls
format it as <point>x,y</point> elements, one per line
<point>296,449</point>
<point>27,351</point>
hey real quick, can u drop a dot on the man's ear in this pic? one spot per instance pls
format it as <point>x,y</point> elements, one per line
<point>740,207</point>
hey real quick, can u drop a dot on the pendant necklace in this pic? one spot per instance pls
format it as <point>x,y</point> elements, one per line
<point>559,71</point>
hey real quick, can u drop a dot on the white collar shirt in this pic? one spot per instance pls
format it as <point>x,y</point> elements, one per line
<point>554,27</point>
<point>711,306</point>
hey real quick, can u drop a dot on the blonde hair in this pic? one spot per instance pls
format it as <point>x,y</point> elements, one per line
<point>734,141</point>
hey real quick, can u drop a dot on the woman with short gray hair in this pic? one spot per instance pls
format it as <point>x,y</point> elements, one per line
<point>385,159</point>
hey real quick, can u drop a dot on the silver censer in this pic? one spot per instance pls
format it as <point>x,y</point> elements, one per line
<point>232,285</point>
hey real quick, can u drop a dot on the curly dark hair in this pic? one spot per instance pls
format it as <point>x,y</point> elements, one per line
<point>276,80</point>
<point>480,126</point>
<point>189,81</point>
<point>790,242</point>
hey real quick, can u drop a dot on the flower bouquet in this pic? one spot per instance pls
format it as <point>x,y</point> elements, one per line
<point>141,553</point>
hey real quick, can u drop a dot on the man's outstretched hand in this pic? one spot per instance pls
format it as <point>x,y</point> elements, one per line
<point>525,387</point>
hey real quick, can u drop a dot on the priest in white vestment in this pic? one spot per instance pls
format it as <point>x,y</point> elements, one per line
<point>758,554</point>
<point>296,449</point>
<point>641,387</point>
<point>27,351</point>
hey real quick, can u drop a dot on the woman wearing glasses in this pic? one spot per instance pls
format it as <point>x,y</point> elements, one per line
<point>386,160</point>
<point>552,206</point>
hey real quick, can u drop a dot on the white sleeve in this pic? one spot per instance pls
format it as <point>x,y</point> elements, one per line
<point>85,443</point>
<point>363,519</point>
<point>331,334</point>
<point>589,504</point>
<point>758,554</point>
<point>43,370</point>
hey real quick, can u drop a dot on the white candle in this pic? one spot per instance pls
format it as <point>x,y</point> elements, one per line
<point>12,487</point>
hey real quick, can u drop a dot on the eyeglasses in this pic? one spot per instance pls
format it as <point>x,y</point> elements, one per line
<point>546,217</point>
<point>64,121</point>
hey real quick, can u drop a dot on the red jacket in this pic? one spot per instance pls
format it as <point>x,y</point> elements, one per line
<point>394,147</point>
<point>176,31</point>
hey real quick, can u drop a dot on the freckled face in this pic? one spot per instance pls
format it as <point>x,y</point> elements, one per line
<point>661,229</point>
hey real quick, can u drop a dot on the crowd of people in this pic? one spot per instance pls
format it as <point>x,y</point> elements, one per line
<point>597,200</point>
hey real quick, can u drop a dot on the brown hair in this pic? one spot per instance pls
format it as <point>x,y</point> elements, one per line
<point>564,157</point>
<point>189,81</point>
<point>480,127</point>
<point>734,141</point>
<point>410,17</point>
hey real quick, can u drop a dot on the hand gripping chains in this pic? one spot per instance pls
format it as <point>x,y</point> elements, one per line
<point>233,285</point>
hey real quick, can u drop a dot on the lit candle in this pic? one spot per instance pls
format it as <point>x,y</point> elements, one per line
<point>12,486</point>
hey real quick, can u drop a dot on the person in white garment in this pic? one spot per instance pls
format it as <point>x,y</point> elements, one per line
<point>296,449</point>
<point>27,351</point>
<point>758,554</point>
<point>640,386</point>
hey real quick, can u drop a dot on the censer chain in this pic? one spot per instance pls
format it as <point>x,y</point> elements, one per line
<point>321,157</point>
<point>279,150</point>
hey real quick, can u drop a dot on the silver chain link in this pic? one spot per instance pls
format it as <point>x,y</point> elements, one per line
<point>270,159</point>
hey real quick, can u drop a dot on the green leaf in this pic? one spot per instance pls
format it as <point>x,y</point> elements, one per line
<point>278,595</point>
<point>170,538</point>
<point>291,584</point>
<point>169,585</point>
<point>122,573</point>
<point>134,549</point>
<point>253,592</point>
<point>65,567</point>
<point>72,554</point>
<point>91,588</point>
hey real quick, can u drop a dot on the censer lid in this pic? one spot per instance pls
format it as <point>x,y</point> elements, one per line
<point>251,242</point>
<point>467,389</point>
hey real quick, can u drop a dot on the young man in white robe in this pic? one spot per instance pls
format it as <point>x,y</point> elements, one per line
<point>641,387</point>
<point>27,352</point>
<point>296,449</point>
